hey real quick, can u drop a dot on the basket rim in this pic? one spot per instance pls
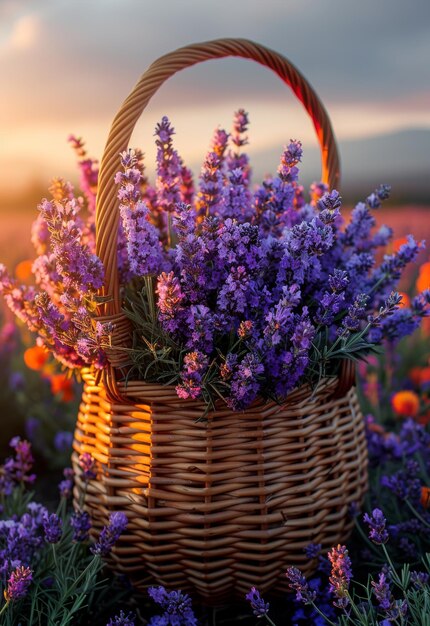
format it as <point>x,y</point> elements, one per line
<point>141,392</point>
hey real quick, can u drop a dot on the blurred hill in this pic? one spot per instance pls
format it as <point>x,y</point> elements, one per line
<point>401,159</point>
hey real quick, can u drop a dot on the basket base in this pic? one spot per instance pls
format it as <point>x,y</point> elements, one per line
<point>216,508</point>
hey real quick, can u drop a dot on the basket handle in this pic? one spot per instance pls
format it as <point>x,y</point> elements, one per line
<point>107,214</point>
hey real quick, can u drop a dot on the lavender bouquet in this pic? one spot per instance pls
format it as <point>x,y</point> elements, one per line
<point>233,291</point>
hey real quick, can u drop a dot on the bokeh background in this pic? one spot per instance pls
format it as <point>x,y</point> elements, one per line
<point>66,66</point>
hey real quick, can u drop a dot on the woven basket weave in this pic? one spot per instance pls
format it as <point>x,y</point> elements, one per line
<point>214,506</point>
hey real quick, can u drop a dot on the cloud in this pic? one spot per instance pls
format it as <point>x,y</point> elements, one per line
<point>72,63</point>
<point>23,34</point>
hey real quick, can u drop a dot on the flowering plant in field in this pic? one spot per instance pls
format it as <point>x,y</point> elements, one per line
<point>47,573</point>
<point>234,292</point>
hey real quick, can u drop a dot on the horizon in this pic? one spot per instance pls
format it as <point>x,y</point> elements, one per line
<point>66,70</point>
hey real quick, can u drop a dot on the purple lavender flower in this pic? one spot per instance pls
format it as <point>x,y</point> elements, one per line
<point>186,188</point>
<point>122,619</point>
<point>375,198</point>
<point>169,176</point>
<point>18,583</point>
<point>356,313</point>
<point>382,592</point>
<point>245,382</point>
<point>144,252</point>
<point>258,605</point>
<point>420,579</point>
<point>89,172</point>
<point>40,235</point>
<point>405,483</point>
<point>219,142</point>
<point>20,538</point>
<point>52,526</point>
<point>210,198</point>
<point>392,265</point>
<point>201,328</point>
<point>79,268</point>
<point>17,382</point>
<point>299,583</point>
<point>332,301</point>
<point>340,576</point>
<point>235,158</point>
<point>313,550</point>
<point>143,245</point>
<point>17,468</point>
<point>393,609</point>
<point>63,440</point>
<point>81,523</point>
<point>176,605</point>
<point>317,191</point>
<point>65,486</point>
<point>190,254</point>
<point>330,202</point>
<point>232,297</point>
<point>169,301</point>
<point>195,366</point>
<point>377,524</point>
<point>236,200</point>
<point>87,463</point>
<point>110,534</point>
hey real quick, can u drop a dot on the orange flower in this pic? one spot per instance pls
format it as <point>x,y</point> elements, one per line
<point>425,497</point>
<point>405,301</point>
<point>420,375</point>
<point>425,375</point>
<point>415,376</point>
<point>23,271</point>
<point>424,419</point>
<point>36,357</point>
<point>423,281</point>
<point>405,403</point>
<point>62,385</point>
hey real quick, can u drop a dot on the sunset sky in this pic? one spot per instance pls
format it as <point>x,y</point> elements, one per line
<point>66,65</point>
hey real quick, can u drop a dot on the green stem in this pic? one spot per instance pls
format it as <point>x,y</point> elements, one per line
<point>361,617</point>
<point>415,512</point>
<point>365,537</point>
<point>392,568</point>
<point>4,607</point>
<point>328,620</point>
<point>54,554</point>
<point>271,622</point>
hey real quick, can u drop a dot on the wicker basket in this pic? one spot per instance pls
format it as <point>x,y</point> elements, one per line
<point>214,507</point>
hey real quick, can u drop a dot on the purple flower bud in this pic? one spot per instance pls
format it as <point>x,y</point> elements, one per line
<point>63,441</point>
<point>122,619</point>
<point>313,550</point>
<point>18,583</point>
<point>81,523</point>
<point>259,607</point>
<point>177,607</point>
<point>377,522</point>
<point>330,201</point>
<point>65,488</point>
<point>420,579</point>
<point>52,526</point>
<point>299,583</point>
<point>87,464</point>
<point>393,609</point>
<point>110,534</point>
<point>340,576</point>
